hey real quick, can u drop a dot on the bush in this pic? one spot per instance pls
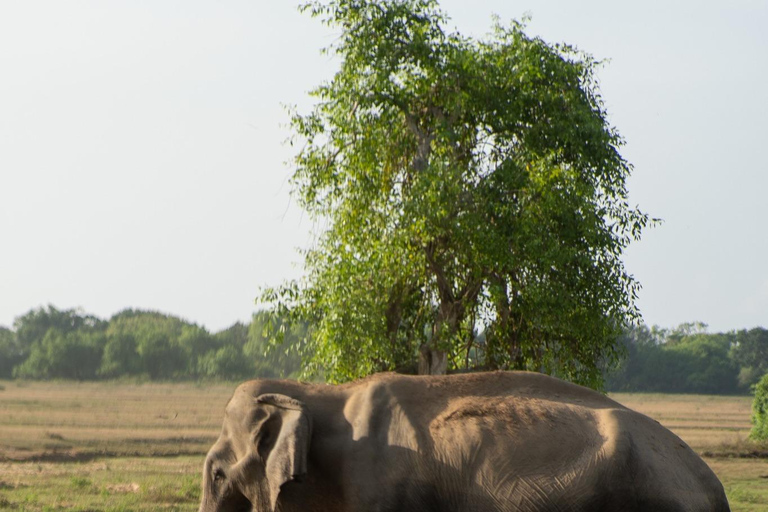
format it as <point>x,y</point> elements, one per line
<point>760,410</point>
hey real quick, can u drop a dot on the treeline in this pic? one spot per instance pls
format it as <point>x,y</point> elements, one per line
<point>687,359</point>
<point>48,343</point>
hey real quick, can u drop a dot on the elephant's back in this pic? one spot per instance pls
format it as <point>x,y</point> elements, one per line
<point>535,455</point>
<point>418,411</point>
<point>521,441</point>
<point>534,432</point>
<point>529,454</point>
<point>654,462</point>
<point>440,388</point>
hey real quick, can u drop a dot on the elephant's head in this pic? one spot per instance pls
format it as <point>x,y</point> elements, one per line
<point>263,444</point>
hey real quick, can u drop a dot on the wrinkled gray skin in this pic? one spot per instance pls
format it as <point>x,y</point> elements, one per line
<point>503,441</point>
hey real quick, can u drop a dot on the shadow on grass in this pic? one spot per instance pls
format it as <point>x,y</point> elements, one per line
<point>88,456</point>
<point>742,449</point>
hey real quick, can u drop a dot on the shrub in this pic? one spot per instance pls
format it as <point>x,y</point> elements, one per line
<point>760,410</point>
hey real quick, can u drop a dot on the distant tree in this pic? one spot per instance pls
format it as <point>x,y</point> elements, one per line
<point>759,430</point>
<point>32,327</point>
<point>121,357</point>
<point>225,363</point>
<point>686,329</point>
<point>160,357</point>
<point>269,360</point>
<point>224,358</point>
<point>64,355</point>
<point>10,353</point>
<point>195,341</point>
<point>681,360</point>
<point>465,183</point>
<point>706,366</point>
<point>641,346</point>
<point>236,335</point>
<point>750,353</point>
<point>156,337</point>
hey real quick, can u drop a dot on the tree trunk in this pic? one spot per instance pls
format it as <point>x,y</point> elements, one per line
<point>432,362</point>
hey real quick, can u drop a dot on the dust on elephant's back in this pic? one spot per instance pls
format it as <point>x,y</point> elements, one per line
<point>519,438</point>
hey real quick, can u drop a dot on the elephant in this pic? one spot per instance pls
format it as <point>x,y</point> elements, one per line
<point>490,442</point>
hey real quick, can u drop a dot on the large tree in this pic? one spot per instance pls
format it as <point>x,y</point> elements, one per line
<point>750,352</point>
<point>475,202</point>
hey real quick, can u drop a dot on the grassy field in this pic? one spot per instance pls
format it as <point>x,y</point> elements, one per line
<point>121,446</point>
<point>711,425</point>
<point>106,446</point>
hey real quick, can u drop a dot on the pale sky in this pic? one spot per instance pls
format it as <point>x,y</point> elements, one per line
<point>142,161</point>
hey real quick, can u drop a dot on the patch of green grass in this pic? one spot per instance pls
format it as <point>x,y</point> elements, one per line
<point>123,484</point>
<point>746,496</point>
<point>191,488</point>
<point>164,494</point>
<point>6,504</point>
<point>82,484</point>
<point>745,482</point>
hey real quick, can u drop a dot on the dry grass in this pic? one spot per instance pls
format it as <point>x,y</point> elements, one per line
<point>745,482</point>
<point>124,446</point>
<point>81,420</point>
<point>105,446</point>
<point>709,424</point>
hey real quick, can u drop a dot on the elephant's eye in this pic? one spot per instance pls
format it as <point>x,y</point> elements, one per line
<point>218,475</point>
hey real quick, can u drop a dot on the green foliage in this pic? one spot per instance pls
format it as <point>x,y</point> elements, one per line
<point>150,343</point>
<point>81,484</point>
<point>226,362</point>
<point>642,363</point>
<point>120,356</point>
<point>682,360</point>
<point>82,347</point>
<point>71,355</point>
<point>56,343</point>
<point>160,356</point>
<point>226,359</point>
<point>466,183</point>
<point>760,410</point>
<point>194,342</point>
<point>147,344</point>
<point>270,360</point>
<point>236,335</point>
<point>750,352</point>
<point>704,365</point>
<point>32,327</point>
<point>10,353</point>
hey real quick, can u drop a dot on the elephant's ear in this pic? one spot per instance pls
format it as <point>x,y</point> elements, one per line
<point>283,441</point>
